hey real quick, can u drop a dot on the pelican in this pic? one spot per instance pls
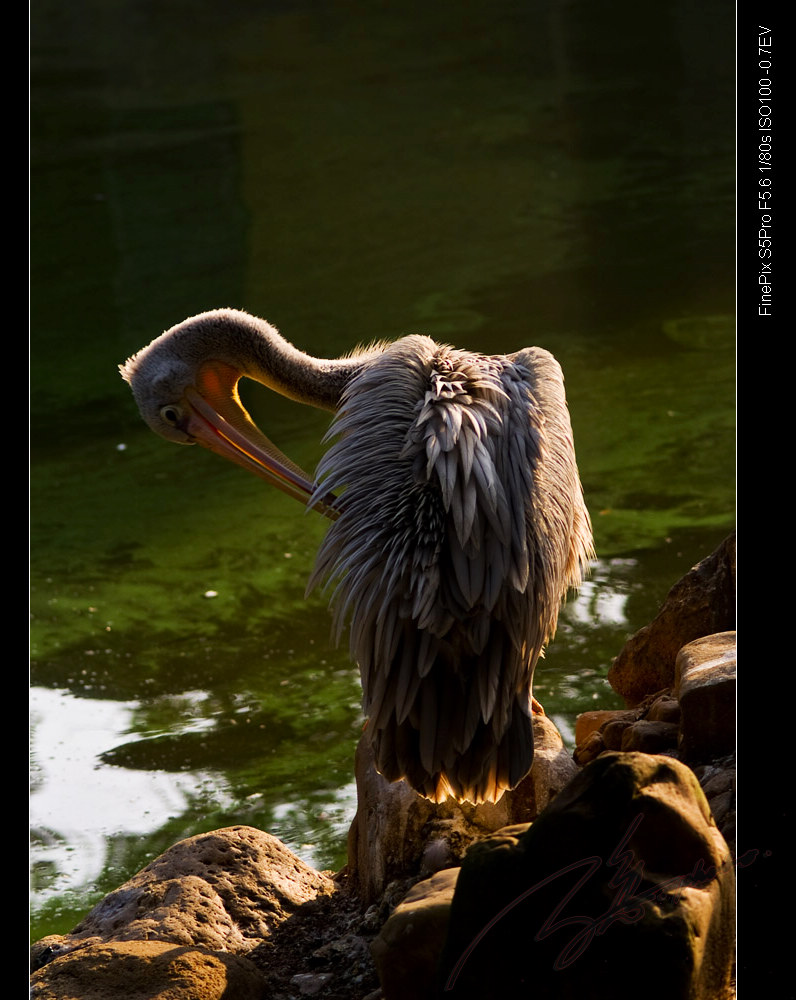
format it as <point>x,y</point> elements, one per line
<point>458,523</point>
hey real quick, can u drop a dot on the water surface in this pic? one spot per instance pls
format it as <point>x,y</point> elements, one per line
<point>494,176</point>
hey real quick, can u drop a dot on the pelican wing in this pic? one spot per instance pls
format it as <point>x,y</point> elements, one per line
<point>462,527</point>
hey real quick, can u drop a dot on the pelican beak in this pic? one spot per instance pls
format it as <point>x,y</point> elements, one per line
<point>216,419</point>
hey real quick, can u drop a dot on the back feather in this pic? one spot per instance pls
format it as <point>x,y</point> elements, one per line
<point>462,527</point>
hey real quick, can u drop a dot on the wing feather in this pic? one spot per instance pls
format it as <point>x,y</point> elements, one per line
<point>462,527</point>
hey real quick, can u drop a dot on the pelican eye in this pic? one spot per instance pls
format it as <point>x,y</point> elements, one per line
<point>171,414</point>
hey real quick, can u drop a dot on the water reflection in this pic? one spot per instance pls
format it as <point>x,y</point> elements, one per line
<point>92,810</point>
<point>601,600</point>
<point>78,805</point>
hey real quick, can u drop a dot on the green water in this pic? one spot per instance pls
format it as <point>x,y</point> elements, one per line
<point>492,174</point>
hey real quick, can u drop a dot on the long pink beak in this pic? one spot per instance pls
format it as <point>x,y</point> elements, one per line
<point>216,419</point>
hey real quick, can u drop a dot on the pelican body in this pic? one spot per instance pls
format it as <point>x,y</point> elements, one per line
<point>458,523</point>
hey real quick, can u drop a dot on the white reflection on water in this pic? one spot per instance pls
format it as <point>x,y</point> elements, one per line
<point>565,727</point>
<point>601,598</point>
<point>334,813</point>
<point>77,803</point>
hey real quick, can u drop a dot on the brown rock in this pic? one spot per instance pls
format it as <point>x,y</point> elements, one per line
<point>146,970</point>
<point>589,750</point>
<point>622,888</point>
<point>701,603</point>
<point>408,949</point>
<point>650,737</point>
<point>324,946</point>
<point>664,709</point>
<point>224,890</point>
<point>613,733</point>
<point>553,769</point>
<point>397,834</point>
<point>651,727</point>
<point>706,690</point>
<point>590,722</point>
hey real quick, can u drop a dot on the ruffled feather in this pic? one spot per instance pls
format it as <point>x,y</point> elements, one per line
<point>462,527</point>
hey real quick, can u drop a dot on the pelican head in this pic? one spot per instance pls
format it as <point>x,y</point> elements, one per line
<point>159,380</point>
<point>185,384</point>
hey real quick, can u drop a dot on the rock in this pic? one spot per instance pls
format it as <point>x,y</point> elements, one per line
<point>591,722</point>
<point>721,805</point>
<point>718,781</point>
<point>705,683</point>
<point>614,732</point>
<point>622,887</point>
<point>224,890</point>
<point>146,970</point>
<point>310,984</point>
<point>397,834</point>
<point>47,948</point>
<point>324,946</point>
<point>664,709</point>
<point>589,750</point>
<point>553,769</point>
<point>701,603</point>
<point>651,727</point>
<point>651,737</point>
<point>408,949</point>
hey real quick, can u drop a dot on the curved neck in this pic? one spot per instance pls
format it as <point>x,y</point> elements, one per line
<point>259,352</point>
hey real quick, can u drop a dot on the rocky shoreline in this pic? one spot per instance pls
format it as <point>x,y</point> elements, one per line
<point>645,805</point>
